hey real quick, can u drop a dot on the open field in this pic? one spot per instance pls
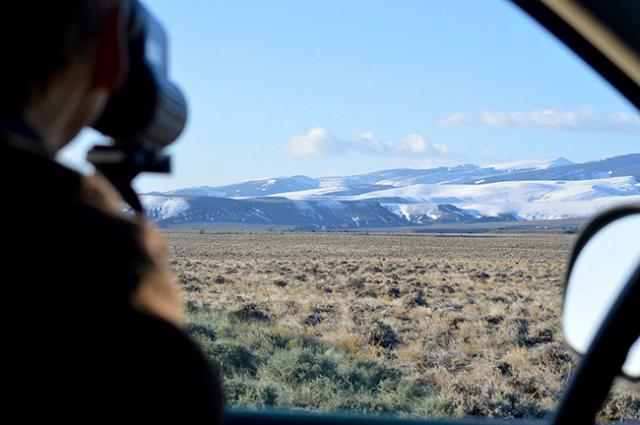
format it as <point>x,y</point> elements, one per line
<point>562,226</point>
<point>424,325</point>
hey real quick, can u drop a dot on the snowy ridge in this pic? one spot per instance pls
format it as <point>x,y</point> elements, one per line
<point>198,191</point>
<point>510,192</point>
<point>526,200</point>
<point>531,164</point>
<point>163,208</point>
<point>524,190</point>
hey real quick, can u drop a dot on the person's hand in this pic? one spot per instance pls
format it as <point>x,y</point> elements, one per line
<point>157,292</point>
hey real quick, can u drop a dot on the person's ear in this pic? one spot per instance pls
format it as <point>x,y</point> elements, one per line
<point>111,62</point>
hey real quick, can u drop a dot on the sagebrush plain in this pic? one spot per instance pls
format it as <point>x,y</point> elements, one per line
<point>405,324</point>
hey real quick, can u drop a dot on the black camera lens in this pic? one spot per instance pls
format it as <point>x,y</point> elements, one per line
<point>149,110</point>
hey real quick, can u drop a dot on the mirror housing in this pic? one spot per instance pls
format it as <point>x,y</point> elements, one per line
<point>604,263</point>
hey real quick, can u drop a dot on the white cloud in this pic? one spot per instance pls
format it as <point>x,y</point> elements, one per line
<point>320,142</point>
<point>316,142</point>
<point>583,119</point>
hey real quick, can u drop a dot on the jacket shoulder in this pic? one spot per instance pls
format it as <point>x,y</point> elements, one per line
<point>27,174</point>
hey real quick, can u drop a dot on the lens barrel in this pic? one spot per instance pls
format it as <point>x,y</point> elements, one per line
<point>149,109</point>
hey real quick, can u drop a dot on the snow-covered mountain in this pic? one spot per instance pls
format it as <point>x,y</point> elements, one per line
<point>620,166</point>
<point>251,189</point>
<point>525,200</point>
<point>170,211</point>
<point>526,190</point>
<point>531,164</point>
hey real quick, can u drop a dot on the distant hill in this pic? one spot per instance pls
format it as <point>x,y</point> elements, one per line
<point>620,166</point>
<point>516,191</point>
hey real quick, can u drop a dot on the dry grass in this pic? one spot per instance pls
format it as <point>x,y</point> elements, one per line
<point>470,323</point>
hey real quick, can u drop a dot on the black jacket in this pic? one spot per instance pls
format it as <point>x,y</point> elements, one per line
<point>73,348</point>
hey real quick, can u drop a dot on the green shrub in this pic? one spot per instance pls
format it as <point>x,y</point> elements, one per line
<point>264,365</point>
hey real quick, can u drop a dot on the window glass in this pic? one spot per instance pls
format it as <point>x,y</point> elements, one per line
<point>374,202</point>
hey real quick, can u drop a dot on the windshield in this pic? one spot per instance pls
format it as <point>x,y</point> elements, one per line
<point>374,202</point>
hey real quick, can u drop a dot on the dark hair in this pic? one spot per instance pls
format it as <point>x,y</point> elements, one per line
<point>39,38</point>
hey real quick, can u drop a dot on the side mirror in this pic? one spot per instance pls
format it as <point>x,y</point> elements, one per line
<point>605,263</point>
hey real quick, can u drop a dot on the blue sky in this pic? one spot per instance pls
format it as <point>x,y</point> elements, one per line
<point>287,87</point>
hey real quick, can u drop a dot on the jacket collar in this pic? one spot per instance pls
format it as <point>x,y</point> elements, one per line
<point>17,134</point>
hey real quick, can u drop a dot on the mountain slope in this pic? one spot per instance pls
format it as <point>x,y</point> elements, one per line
<point>531,164</point>
<point>406,177</point>
<point>539,200</point>
<point>251,189</point>
<point>511,191</point>
<point>627,165</point>
<point>168,211</point>
<point>524,190</point>
<point>556,169</point>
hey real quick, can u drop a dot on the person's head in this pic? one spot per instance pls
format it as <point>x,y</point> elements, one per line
<point>61,59</point>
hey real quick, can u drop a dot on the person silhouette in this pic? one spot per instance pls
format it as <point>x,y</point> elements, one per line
<point>93,321</point>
